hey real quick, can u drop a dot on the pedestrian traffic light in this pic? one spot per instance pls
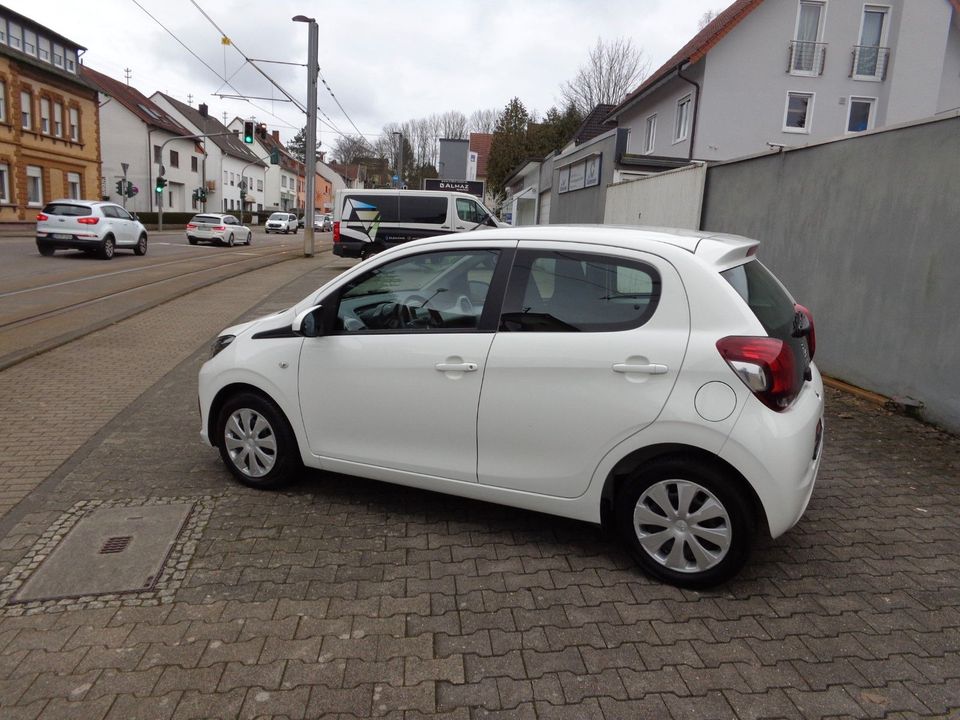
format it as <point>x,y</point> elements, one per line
<point>161,183</point>
<point>132,189</point>
<point>248,132</point>
<point>119,187</point>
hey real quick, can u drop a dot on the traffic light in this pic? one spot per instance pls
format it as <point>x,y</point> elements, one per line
<point>131,189</point>
<point>248,132</point>
<point>161,183</point>
<point>196,195</point>
<point>119,187</point>
<point>202,194</point>
<point>262,131</point>
<point>275,157</point>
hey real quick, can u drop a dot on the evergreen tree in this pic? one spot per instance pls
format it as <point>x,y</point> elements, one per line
<point>509,145</point>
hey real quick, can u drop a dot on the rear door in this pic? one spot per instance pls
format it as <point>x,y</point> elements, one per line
<point>589,346</point>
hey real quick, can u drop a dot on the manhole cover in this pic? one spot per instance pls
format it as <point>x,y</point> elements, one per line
<point>111,550</point>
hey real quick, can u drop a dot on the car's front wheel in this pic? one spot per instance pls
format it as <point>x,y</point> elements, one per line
<point>256,442</point>
<point>249,238</point>
<point>686,524</point>
<point>141,247</point>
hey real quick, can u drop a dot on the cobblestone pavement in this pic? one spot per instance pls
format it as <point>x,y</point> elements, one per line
<point>349,598</point>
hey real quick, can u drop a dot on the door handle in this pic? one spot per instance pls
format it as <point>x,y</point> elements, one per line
<point>457,367</point>
<point>650,369</point>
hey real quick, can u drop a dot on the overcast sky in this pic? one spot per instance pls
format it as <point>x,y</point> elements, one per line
<point>386,60</point>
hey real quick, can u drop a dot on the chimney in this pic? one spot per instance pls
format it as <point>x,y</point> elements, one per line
<point>276,135</point>
<point>203,109</point>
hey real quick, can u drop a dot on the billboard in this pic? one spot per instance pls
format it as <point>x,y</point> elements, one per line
<point>474,187</point>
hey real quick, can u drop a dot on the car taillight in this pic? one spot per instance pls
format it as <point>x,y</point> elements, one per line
<point>336,231</point>
<point>41,217</point>
<point>807,329</point>
<point>765,365</point>
<point>88,220</point>
<point>220,228</point>
<point>191,226</point>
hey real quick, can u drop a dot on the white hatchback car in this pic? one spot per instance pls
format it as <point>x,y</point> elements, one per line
<point>219,229</point>
<point>282,222</point>
<point>660,383</point>
<point>94,227</point>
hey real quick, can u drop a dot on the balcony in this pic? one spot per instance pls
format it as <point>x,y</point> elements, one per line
<point>869,62</point>
<point>806,58</point>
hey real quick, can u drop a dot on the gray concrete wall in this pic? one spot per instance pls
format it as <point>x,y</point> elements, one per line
<point>587,204</point>
<point>669,199</point>
<point>454,155</point>
<point>865,233</point>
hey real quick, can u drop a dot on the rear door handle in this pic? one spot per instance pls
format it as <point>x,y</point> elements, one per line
<point>650,369</point>
<point>457,367</point>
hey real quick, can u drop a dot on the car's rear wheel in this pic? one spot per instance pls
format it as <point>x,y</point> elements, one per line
<point>107,248</point>
<point>230,240</point>
<point>256,442</point>
<point>192,241</point>
<point>141,247</point>
<point>686,524</point>
<point>45,250</point>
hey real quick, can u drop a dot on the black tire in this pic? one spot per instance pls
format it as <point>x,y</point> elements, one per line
<point>141,247</point>
<point>230,240</point>
<point>107,248</point>
<point>249,238</point>
<point>46,250</point>
<point>192,241</point>
<point>369,250</point>
<point>251,469</point>
<point>671,538</point>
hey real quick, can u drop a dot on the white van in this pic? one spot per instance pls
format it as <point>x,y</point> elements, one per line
<point>368,221</point>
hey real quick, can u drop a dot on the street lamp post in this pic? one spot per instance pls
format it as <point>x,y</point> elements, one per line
<point>310,152</point>
<point>400,169</point>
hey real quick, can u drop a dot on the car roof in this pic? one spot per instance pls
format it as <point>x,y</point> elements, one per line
<point>718,249</point>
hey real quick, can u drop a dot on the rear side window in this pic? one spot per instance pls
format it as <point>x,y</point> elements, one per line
<point>65,209</point>
<point>578,292</point>
<point>369,209</point>
<point>421,209</point>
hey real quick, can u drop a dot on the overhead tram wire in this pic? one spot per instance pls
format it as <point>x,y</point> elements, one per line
<point>204,63</point>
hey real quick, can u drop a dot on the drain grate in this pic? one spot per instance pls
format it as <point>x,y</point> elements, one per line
<point>116,544</point>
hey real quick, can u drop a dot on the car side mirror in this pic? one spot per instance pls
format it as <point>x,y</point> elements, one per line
<point>309,322</point>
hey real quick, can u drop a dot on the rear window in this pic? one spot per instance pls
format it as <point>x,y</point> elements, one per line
<point>66,209</point>
<point>423,209</point>
<point>208,219</point>
<point>370,208</point>
<point>771,304</point>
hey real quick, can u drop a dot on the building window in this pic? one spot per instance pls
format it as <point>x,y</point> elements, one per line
<point>3,101</point>
<point>799,113</point>
<point>58,56</point>
<point>75,124</point>
<point>860,114</point>
<point>194,163</point>
<point>806,51</point>
<point>4,183</point>
<point>870,57</point>
<point>259,185</point>
<point>72,60</point>
<point>232,178</point>
<point>683,119</point>
<point>15,36</point>
<point>157,154</point>
<point>58,119</point>
<point>170,200</point>
<point>73,186</point>
<point>44,46</point>
<point>174,159</point>
<point>650,135</point>
<point>26,110</point>
<point>34,185</point>
<point>44,116</point>
<point>3,31</point>
<point>29,42</point>
<point>226,177</point>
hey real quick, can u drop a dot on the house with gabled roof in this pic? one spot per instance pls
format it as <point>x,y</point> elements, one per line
<point>280,180</point>
<point>772,73</point>
<point>137,133</point>
<point>230,163</point>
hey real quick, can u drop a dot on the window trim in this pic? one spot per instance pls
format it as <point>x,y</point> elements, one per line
<point>681,134</point>
<point>3,101</point>
<point>871,115</point>
<point>887,11</point>
<point>34,176</point>
<point>74,113</point>
<point>808,127</point>
<point>5,198</point>
<point>74,178</point>
<point>650,134</point>
<point>821,27</point>
<point>26,123</point>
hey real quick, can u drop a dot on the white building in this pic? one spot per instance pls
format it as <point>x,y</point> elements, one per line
<point>280,180</point>
<point>229,159</point>
<point>136,132</point>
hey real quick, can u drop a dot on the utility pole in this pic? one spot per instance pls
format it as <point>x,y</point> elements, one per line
<point>125,167</point>
<point>310,153</point>
<point>127,73</point>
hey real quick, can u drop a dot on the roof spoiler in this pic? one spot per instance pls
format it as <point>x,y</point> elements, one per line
<point>726,250</point>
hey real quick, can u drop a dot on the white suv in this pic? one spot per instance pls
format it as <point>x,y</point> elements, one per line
<point>660,383</point>
<point>282,222</point>
<point>95,227</point>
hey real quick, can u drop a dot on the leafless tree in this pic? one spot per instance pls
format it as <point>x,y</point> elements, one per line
<point>348,148</point>
<point>482,121</point>
<point>612,70</point>
<point>706,19</point>
<point>453,125</point>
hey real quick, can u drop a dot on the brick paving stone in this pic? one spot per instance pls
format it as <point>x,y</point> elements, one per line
<point>126,707</point>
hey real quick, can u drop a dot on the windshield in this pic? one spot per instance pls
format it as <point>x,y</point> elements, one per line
<point>278,216</point>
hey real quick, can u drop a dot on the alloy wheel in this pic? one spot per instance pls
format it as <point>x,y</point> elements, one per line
<point>250,442</point>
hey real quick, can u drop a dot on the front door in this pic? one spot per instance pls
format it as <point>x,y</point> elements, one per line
<point>395,381</point>
<point>588,350</point>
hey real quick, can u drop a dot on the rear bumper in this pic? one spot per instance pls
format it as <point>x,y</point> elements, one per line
<point>347,249</point>
<point>74,243</point>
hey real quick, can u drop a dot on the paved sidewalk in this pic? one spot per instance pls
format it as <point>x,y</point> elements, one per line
<point>346,598</point>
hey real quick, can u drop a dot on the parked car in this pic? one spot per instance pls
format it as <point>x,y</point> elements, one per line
<point>659,383</point>
<point>216,228</point>
<point>94,227</point>
<point>322,223</point>
<point>281,222</point>
<point>366,222</point>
